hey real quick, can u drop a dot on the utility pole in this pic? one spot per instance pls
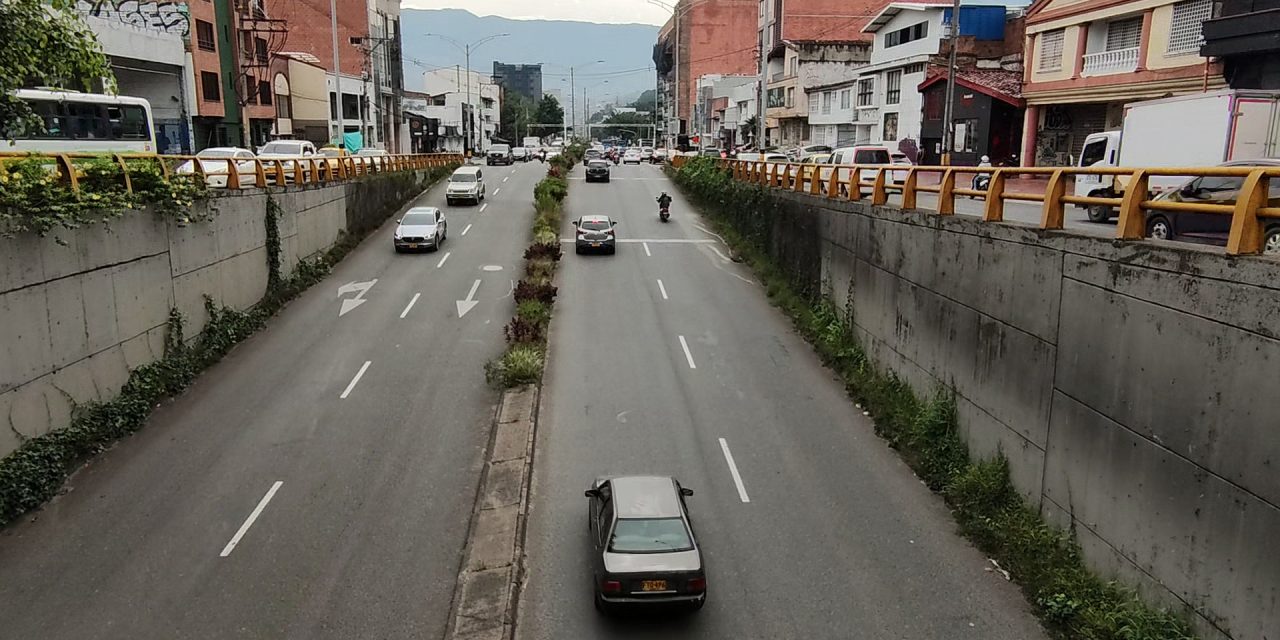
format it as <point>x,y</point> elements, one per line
<point>337,74</point>
<point>573,108</point>
<point>948,124</point>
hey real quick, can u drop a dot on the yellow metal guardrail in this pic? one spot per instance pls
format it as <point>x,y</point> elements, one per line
<point>263,173</point>
<point>1245,237</point>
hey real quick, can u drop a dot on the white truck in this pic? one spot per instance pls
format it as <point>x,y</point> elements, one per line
<point>1198,130</point>
<point>531,142</point>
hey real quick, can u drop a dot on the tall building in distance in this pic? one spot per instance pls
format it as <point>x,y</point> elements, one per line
<point>524,79</point>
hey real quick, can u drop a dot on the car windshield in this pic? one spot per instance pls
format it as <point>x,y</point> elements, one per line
<point>419,218</point>
<point>499,148</point>
<point>650,535</point>
<point>332,153</point>
<point>871,156</point>
<point>463,177</point>
<point>597,164</point>
<point>289,148</point>
<point>216,153</point>
<point>595,225</point>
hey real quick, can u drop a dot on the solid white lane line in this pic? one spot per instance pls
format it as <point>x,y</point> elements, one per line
<point>646,249</point>
<point>483,207</point>
<point>464,231</point>
<point>446,257</point>
<point>257,511</point>
<point>733,469</point>
<point>654,241</point>
<point>687,356</point>
<point>663,290</point>
<point>410,305</point>
<point>722,256</point>
<point>352,384</point>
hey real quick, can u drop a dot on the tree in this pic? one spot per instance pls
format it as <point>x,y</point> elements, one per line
<point>648,101</point>
<point>517,112</point>
<point>747,130</point>
<point>46,43</point>
<point>549,111</point>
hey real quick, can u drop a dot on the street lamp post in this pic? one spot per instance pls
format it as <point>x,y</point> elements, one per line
<point>466,52</point>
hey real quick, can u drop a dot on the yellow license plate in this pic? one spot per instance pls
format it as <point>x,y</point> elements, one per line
<point>653,585</point>
<point>413,246</point>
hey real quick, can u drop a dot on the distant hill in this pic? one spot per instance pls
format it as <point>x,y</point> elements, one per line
<point>623,47</point>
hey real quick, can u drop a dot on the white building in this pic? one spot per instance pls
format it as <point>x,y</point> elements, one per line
<point>464,103</point>
<point>715,94</point>
<point>832,114</point>
<point>356,99</point>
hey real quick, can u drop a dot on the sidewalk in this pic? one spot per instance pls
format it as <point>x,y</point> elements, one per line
<point>1018,184</point>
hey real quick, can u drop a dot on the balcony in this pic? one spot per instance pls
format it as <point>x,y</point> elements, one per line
<point>1108,62</point>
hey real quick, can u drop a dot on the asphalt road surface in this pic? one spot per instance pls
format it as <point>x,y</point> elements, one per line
<point>366,431</point>
<point>667,358</point>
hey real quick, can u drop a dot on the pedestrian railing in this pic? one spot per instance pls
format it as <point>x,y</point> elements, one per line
<point>232,173</point>
<point>1249,213</point>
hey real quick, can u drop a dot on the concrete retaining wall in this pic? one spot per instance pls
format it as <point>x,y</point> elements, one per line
<point>1131,385</point>
<point>80,309</point>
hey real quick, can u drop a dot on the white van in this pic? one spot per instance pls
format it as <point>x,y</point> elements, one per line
<point>466,184</point>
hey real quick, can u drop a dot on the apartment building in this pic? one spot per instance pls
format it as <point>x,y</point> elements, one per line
<point>794,69</point>
<point>1087,59</point>
<point>467,104</point>
<point>714,93</point>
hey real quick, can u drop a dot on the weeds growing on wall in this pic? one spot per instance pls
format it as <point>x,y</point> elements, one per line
<point>535,295</point>
<point>36,471</point>
<point>1072,602</point>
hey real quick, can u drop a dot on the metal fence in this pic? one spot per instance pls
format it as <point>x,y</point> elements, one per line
<point>1248,213</point>
<point>242,173</point>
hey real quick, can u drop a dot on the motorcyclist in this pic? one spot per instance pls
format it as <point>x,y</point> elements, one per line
<point>981,180</point>
<point>664,201</point>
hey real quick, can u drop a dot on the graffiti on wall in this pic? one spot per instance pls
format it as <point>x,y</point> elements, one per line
<point>166,16</point>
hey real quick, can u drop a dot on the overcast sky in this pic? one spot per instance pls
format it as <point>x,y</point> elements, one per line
<point>613,11</point>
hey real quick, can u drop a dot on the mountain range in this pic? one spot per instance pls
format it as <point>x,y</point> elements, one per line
<point>627,50</point>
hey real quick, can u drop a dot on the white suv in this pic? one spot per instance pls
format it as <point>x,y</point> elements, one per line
<point>466,183</point>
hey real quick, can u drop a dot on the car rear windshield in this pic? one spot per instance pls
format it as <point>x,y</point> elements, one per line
<point>283,148</point>
<point>595,164</point>
<point>418,218</point>
<point>463,177</point>
<point>871,156</point>
<point>650,535</point>
<point>217,153</point>
<point>595,225</point>
<point>499,148</point>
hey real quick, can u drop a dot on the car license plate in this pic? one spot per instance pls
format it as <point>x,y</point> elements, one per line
<point>653,585</point>
<point>595,244</point>
<point>413,246</point>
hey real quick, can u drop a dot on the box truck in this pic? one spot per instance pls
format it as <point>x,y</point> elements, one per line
<point>1197,130</point>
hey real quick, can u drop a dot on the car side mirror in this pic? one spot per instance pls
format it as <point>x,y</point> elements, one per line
<point>398,220</point>
<point>592,493</point>
<point>686,492</point>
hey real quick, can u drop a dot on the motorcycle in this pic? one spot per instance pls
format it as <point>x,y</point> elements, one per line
<point>664,211</point>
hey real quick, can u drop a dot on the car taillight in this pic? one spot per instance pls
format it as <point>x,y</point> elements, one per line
<point>611,586</point>
<point>697,585</point>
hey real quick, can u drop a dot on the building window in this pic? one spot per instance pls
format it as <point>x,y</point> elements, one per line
<point>906,34</point>
<point>1185,34</point>
<point>209,86</point>
<point>933,104</point>
<point>793,66</point>
<point>893,87</point>
<point>826,103</point>
<point>260,48</point>
<point>791,97</point>
<point>264,92</point>
<point>813,105</point>
<point>1051,50</point>
<point>284,107</point>
<point>915,67</point>
<point>890,127</point>
<point>866,92</point>
<point>204,36</point>
<point>844,99</point>
<point>1124,34</point>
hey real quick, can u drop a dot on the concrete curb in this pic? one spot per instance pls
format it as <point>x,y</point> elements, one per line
<point>484,599</point>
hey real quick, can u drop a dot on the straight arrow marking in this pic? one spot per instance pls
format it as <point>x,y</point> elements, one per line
<point>467,305</point>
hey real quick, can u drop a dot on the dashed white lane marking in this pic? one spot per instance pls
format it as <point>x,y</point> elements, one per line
<point>483,207</point>
<point>663,290</point>
<point>410,305</point>
<point>687,355</point>
<point>495,191</point>
<point>446,257</point>
<point>654,241</point>
<point>504,180</point>
<point>464,231</point>
<point>646,249</point>
<point>359,374</point>
<point>257,511</point>
<point>733,469</point>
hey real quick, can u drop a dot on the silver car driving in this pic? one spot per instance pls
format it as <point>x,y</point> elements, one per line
<point>644,551</point>
<point>420,228</point>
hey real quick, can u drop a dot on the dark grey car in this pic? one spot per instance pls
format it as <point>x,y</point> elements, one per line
<point>597,171</point>
<point>595,233</point>
<point>644,551</point>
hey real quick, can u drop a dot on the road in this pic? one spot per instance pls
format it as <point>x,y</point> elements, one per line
<point>366,431</point>
<point>667,358</point>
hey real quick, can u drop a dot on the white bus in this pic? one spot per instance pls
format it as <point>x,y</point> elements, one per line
<point>86,123</point>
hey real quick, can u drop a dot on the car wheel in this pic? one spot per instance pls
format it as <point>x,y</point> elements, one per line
<point>577,250</point>
<point>1158,228</point>
<point>1271,242</point>
<point>1099,213</point>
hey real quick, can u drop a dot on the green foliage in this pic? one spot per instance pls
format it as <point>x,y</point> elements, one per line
<point>535,311</point>
<point>37,469</point>
<point>1072,601</point>
<point>521,364</point>
<point>46,43</point>
<point>544,293</point>
<point>517,114</point>
<point>555,188</point>
<point>549,111</point>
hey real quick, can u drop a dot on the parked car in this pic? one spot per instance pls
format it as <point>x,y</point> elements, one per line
<point>288,152</point>
<point>802,152</point>
<point>598,170</point>
<point>466,184</point>
<point>498,154</point>
<point>366,156</point>
<point>1212,227</point>
<point>632,156</point>
<point>520,154</point>
<point>899,158</point>
<point>420,228</point>
<point>643,547</point>
<point>646,154</point>
<point>859,155</point>
<point>332,157</point>
<point>214,163</point>
<point>595,233</point>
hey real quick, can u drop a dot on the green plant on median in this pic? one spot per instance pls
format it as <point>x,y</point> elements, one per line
<point>1073,602</point>
<point>37,469</point>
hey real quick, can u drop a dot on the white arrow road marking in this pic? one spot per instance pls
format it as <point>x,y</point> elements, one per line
<point>470,303</point>
<point>446,257</point>
<point>687,356</point>
<point>257,511</point>
<point>464,231</point>
<point>733,469</point>
<point>358,288</point>
<point>352,385</point>
<point>663,290</point>
<point>410,305</point>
